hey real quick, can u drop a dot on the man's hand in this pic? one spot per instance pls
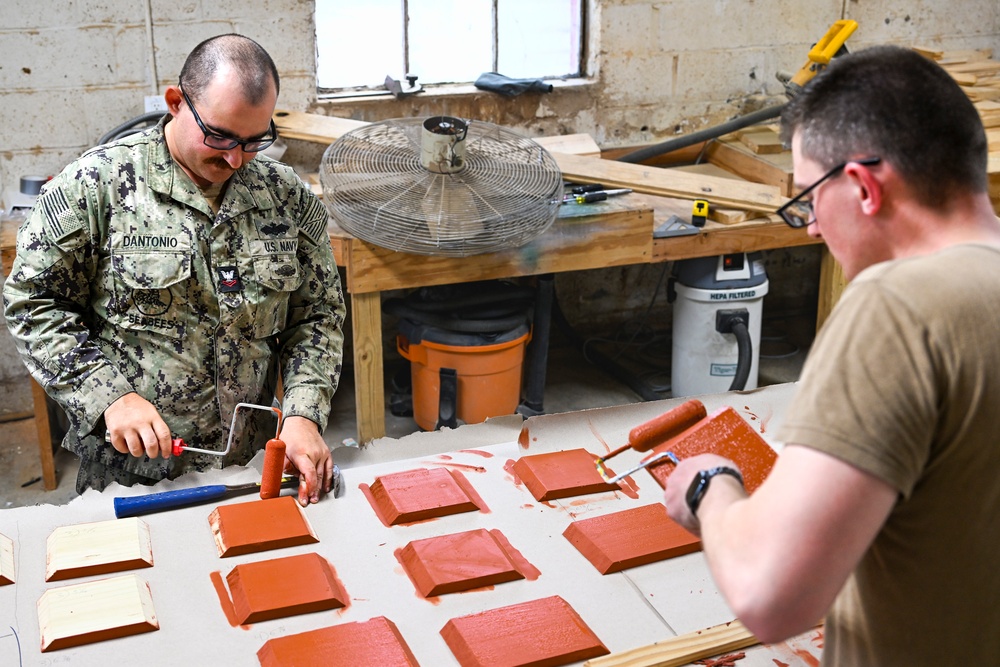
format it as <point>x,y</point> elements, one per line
<point>136,427</point>
<point>675,491</point>
<point>307,453</point>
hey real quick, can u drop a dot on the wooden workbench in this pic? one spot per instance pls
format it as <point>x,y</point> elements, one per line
<point>618,232</point>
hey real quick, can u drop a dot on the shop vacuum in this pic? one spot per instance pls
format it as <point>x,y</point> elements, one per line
<point>466,347</point>
<point>717,305</point>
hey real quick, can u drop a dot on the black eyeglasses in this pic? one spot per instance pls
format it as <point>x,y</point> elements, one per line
<point>798,212</point>
<point>221,142</point>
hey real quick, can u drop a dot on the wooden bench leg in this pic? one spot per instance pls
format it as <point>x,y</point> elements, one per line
<point>369,385</point>
<point>44,436</point>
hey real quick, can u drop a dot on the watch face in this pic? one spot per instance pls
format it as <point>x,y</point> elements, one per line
<point>696,490</point>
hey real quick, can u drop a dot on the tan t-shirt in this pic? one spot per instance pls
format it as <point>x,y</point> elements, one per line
<point>904,382</point>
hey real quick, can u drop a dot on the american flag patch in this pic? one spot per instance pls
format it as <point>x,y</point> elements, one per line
<point>60,219</point>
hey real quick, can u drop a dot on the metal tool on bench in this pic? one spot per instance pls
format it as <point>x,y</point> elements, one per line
<point>656,431</point>
<point>126,506</point>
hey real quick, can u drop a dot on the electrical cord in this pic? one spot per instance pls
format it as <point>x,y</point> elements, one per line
<point>137,124</point>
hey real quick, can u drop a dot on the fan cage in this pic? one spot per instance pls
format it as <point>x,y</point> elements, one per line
<point>376,188</point>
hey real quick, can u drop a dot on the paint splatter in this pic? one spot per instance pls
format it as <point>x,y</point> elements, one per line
<point>464,466</point>
<point>444,457</point>
<point>597,435</point>
<point>509,469</point>
<point>223,593</point>
<point>724,661</point>
<point>629,487</point>
<point>477,452</point>
<point>522,437</point>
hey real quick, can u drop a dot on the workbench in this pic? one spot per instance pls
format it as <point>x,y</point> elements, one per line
<point>617,232</point>
<point>658,602</point>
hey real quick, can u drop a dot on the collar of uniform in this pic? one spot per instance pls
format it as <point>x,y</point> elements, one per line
<point>247,191</point>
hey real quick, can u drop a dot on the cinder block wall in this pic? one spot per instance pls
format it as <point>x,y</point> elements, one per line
<point>71,71</point>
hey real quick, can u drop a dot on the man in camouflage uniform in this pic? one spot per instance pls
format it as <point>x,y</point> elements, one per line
<point>164,278</point>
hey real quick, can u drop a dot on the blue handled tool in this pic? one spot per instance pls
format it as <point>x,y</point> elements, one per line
<point>167,500</point>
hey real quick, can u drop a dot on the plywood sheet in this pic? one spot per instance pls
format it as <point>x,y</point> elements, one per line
<point>95,611</point>
<point>286,586</point>
<point>562,474</point>
<point>416,495</point>
<point>260,525</point>
<point>540,632</point>
<point>620,540</point>
<point>462,561</point>
<point>101,547</point>
<point>724,433</point>
<point>373,642</point>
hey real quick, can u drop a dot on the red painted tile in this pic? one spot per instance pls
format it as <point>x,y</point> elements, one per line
<point>561,474</point>
<point>373,642</point>
<point>542,632</point>
<point>620,540</point>
<point>415,495</point>
<point>260,525</point>
<point>461,561</point>
<point>724,433</point>
<point>287,586</point>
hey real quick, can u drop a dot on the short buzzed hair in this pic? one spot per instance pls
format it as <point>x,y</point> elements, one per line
<point>893,103</point>
<point>251,63</point>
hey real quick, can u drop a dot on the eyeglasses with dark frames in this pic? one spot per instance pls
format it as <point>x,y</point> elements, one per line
<point>221,142</point>
<point>798,212</point>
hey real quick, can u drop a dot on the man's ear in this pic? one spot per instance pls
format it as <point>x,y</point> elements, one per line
<point>868,186</point>
<point>172,96</point>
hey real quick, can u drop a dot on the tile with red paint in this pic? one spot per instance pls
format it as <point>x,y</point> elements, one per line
<point>724,433</point>
<point>260,525</point>
<point>279,587</point>
<point>415,495</point>
<point>373,642</point>
<point>540,632</point>
<point>462,561</point>
<point>620,540</point>
<point>561,474</point>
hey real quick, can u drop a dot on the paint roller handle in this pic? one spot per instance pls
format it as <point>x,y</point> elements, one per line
<point>658,430</point>
<point>165,500</point>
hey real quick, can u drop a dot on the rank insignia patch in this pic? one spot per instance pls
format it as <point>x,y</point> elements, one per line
<point>229,279</point>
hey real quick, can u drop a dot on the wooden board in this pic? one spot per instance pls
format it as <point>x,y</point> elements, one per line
<point>730,154</point>
<point>376,641</point>
<point>671,183</point>
<point>279,587</point>
<point>683,649</point>
<point>462,561</point>
<point>639,536</point>
<point>724,216</point>
<point>416,495</point>
<point>561,474</point>
<point>762,141</point>
<point>6,561</point>
<point>540,632</point>
<point>97,548</point>
<point>260,525</point>
<point>572,144</point>
<point>989,113</point>
<point>95,611</point>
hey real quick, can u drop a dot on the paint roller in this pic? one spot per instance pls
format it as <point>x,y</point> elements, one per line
<point>656,431</point>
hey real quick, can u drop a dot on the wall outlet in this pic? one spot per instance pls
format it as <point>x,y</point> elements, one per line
<point>155,103</point>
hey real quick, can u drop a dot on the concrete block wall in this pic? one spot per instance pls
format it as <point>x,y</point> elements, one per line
<point>72,70</point>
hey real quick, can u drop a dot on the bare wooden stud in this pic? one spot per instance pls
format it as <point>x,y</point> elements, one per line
<point>95,611</point>
<point>97,548</point>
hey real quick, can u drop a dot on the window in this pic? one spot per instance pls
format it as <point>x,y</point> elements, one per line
<point>445,41</point>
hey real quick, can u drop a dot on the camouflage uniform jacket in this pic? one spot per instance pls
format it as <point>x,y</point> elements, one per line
<point>126,281</point>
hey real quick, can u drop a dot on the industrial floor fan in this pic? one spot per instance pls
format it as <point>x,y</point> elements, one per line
<point>440,186</point>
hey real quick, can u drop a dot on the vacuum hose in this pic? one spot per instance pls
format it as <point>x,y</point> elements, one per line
<point>707,134</point>
<point>744,346</point>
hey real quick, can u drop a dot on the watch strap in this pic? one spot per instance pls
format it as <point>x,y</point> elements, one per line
<point>699,485</point>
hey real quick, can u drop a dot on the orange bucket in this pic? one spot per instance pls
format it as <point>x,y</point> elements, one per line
<point>488,377</point>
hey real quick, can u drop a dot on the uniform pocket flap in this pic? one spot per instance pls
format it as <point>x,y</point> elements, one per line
<point>152,270</point>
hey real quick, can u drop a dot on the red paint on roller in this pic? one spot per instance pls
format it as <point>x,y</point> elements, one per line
<point>274,465</point>
<point>670,424</point>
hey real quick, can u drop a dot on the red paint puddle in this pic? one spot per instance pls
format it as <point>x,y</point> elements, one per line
<point>477,452</point>
<point>223,593</point>
<point>629,487</point>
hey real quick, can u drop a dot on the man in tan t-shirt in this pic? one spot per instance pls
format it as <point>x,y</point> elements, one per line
<point>882,512</point>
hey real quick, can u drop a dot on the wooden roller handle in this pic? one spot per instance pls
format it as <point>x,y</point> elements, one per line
<point>649,434</point>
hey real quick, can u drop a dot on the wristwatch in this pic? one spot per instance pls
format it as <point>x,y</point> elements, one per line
<point>699,485</point>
